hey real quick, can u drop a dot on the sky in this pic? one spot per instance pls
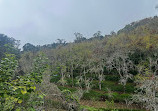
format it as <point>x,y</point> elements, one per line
<point>44,21</point>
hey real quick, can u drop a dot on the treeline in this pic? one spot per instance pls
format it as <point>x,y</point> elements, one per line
<point>61,42</point>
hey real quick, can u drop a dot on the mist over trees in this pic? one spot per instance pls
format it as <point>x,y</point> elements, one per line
<point>118,68</point>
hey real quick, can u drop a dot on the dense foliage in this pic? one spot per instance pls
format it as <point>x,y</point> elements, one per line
<point>19,92</point>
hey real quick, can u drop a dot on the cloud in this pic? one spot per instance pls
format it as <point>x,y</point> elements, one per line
<point>1,1</point>
<point>44,21</point>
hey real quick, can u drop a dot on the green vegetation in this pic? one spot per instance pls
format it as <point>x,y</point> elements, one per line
<point>9,46</point>
<point>104,109</point>
<point>118,68</point>
<point>19,92</point>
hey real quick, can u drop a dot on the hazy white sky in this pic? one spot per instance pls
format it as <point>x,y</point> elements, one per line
<point>44,21</point>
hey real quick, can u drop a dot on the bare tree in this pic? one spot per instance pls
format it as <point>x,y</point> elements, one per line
<point>121,62</point>
<point>147,84</point>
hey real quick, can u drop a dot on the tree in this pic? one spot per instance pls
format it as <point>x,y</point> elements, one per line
<point>121,62</point>
<point>147,84</point>
<point>113,33</point>
<point>29,47</point>
<point>98,62</point>
<point>79,38</point>
<point>8,45</point>
<point>26,61</point>
<point>61,41</point>
<point>98,35</point>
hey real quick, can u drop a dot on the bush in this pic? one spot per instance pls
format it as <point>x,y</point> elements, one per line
<point>104,109</point>
<point>88,108</point>
<point>114,86</point>
<point>55,78</point>
<point>117,97</point>
<point>19,92</point>
<point>92,95</point>
<point>112,78</point>
<point>64,88</point>
<point>53,104</point>
<point>70,83</point>
<point>129,88</point>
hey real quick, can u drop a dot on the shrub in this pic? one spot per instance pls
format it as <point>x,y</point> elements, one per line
<point>68,88</point>
<point>129,88</point>
<point>19,92</point>
<point>112,78</point>
<point>105,109</point>
<point>91,95</point>
<point>55,78</point>
<point>70,83</point>
<point>117,97</point>
<point>53,104</point>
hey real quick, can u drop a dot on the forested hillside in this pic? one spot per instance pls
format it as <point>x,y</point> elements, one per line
<point>116,72</point>
<point>8,45</point>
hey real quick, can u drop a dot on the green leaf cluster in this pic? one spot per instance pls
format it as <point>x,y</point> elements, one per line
<point>19,92</point>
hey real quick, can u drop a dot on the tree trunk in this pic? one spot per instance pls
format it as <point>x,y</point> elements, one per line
<point>84,73</point>
<point>99,85</point>
<point>62,78</point>
<point>72,76</point>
